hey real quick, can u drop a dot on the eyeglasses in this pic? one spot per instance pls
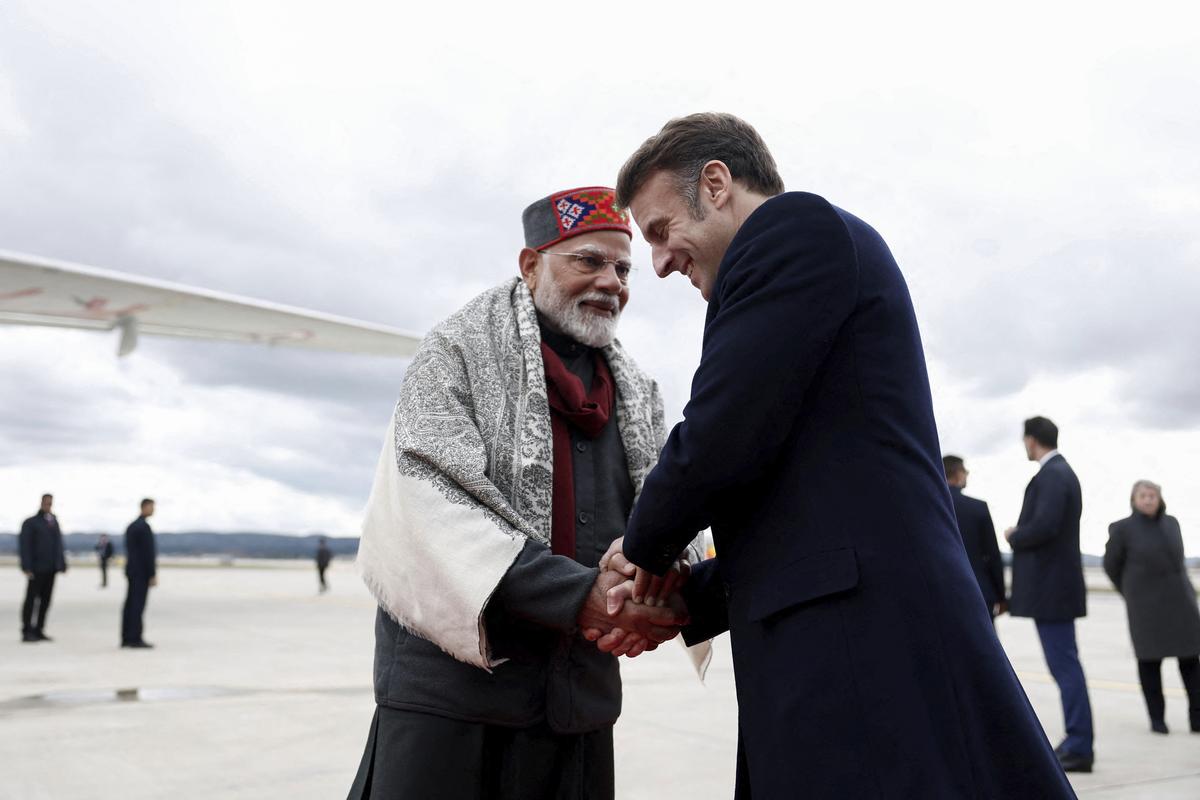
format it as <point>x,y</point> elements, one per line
<point>594,263</point>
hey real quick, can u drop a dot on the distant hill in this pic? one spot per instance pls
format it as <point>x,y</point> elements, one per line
<point>203,543</point>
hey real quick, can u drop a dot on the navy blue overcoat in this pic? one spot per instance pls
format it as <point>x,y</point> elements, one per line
<point>1047,572</point>
<point>866,665</point>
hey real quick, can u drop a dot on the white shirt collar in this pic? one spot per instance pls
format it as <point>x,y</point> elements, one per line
<point>1042,461</point>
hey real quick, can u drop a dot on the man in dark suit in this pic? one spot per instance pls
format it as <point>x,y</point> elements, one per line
<point>978,535</point>
<point>42,557</point>
<point>104,552</point>
<point>1047,581</point>
<point>324,556</point>
<point>866,665</point>
<point>141,572</point>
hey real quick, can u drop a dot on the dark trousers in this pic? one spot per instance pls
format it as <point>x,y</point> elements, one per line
<point>135,606</point>
<point>37,592</point>
<point>410,754</point>
<point>321,576</point>
<point>1150,676</point>
<point>104,572</point>
<point>1062,657</point>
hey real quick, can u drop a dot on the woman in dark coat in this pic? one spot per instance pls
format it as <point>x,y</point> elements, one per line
<point>1144,560</point>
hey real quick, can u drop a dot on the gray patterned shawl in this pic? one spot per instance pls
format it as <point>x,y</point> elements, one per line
<point>465,474</point>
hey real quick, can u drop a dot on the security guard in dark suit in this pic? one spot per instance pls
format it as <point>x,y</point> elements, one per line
<point>978,535</point>
<point>140,571</point>
<point>41,546</point>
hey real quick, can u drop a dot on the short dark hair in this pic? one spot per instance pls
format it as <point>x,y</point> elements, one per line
<point>952,465</point>
<point>686,144</point>
<point>1043,431</point>
<point>47,495</point>
<point>146,500</point>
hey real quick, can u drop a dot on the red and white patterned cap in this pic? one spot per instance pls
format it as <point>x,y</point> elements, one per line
<point>565,214</point>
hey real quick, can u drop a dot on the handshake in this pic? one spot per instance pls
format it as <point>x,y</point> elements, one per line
<point>629,610</point>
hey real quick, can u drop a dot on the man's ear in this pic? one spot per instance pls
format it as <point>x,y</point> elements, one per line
<point>716,182</point>
<point>527,262</point>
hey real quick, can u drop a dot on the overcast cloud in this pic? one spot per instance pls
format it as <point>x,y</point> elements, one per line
<point>1033,168</point>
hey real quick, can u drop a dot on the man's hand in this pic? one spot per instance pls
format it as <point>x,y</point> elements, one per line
<point>648,588</point>
<point>1008,532</point>
<point>154,581</point>
<point>619,642</point>
<point>1001,607</point>
<point>632,629</point>
<point>29,575</point>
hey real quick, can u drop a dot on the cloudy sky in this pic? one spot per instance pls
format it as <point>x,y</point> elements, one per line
<point>1035,171</point>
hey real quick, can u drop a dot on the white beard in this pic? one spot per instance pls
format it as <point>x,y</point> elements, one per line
<point>566,313</point>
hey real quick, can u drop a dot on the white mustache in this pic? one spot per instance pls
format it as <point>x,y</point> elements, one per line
<point>599,298</point>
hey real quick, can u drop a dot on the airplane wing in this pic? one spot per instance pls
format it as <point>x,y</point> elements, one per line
<point>37,291</point>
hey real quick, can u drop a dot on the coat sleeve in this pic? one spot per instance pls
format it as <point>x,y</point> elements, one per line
<point>543,588</point>
<point>151,553</point>
<point>783,295</point>
<point>995,564</point>
<point>60,555</point>
<point>1114,555</point>
<point>704,594</point>
<point>1050,505</point>
<point>26,545</point>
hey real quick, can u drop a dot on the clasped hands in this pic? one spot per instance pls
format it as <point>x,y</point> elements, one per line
<point>629,610</point>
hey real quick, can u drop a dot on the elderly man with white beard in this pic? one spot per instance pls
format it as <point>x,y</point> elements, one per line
<point>519,443</point>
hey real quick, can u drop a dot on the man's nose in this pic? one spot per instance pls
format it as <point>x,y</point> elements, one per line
<point>661,257</point>
<point>607,280</point>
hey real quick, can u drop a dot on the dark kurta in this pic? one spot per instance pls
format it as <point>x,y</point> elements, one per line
<point>865,661</point>
<point>560,692</point>
<point>1144,559</point>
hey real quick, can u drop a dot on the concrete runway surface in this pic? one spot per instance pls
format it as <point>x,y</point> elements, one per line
<point>260,688</point>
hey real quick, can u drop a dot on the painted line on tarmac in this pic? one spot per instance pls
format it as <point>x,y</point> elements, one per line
<point>1097,683</point>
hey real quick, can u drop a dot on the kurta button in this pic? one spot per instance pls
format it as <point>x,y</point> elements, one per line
<point>583,517</point>
<point>580,446</point>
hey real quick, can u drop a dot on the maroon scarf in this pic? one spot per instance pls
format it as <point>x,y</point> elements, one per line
<point>589,412</point>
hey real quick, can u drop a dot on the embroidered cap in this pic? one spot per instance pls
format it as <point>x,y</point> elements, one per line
<point>570,213</point>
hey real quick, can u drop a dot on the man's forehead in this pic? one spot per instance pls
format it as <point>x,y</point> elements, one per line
<point>655,201</point>
<point>607,242</point>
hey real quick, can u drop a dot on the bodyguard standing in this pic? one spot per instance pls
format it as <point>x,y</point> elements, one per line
<point>104,552</point>
<point>140,558</point>
<point>978,535</point>
<point>324,556</point>
<point>42,557</point>
<point>1047,581</point>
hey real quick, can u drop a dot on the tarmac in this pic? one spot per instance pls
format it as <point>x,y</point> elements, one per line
<point>259,687</point>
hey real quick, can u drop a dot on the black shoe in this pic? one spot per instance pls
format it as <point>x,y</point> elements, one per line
<point>1073,763</point>
<point>43,637</point>
<point>1158,726</point>
<point>138,645</point>
<point>29,637</point>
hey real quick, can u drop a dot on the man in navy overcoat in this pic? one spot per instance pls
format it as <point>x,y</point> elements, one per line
<point>1047,581</point>
<point>866,665</point>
